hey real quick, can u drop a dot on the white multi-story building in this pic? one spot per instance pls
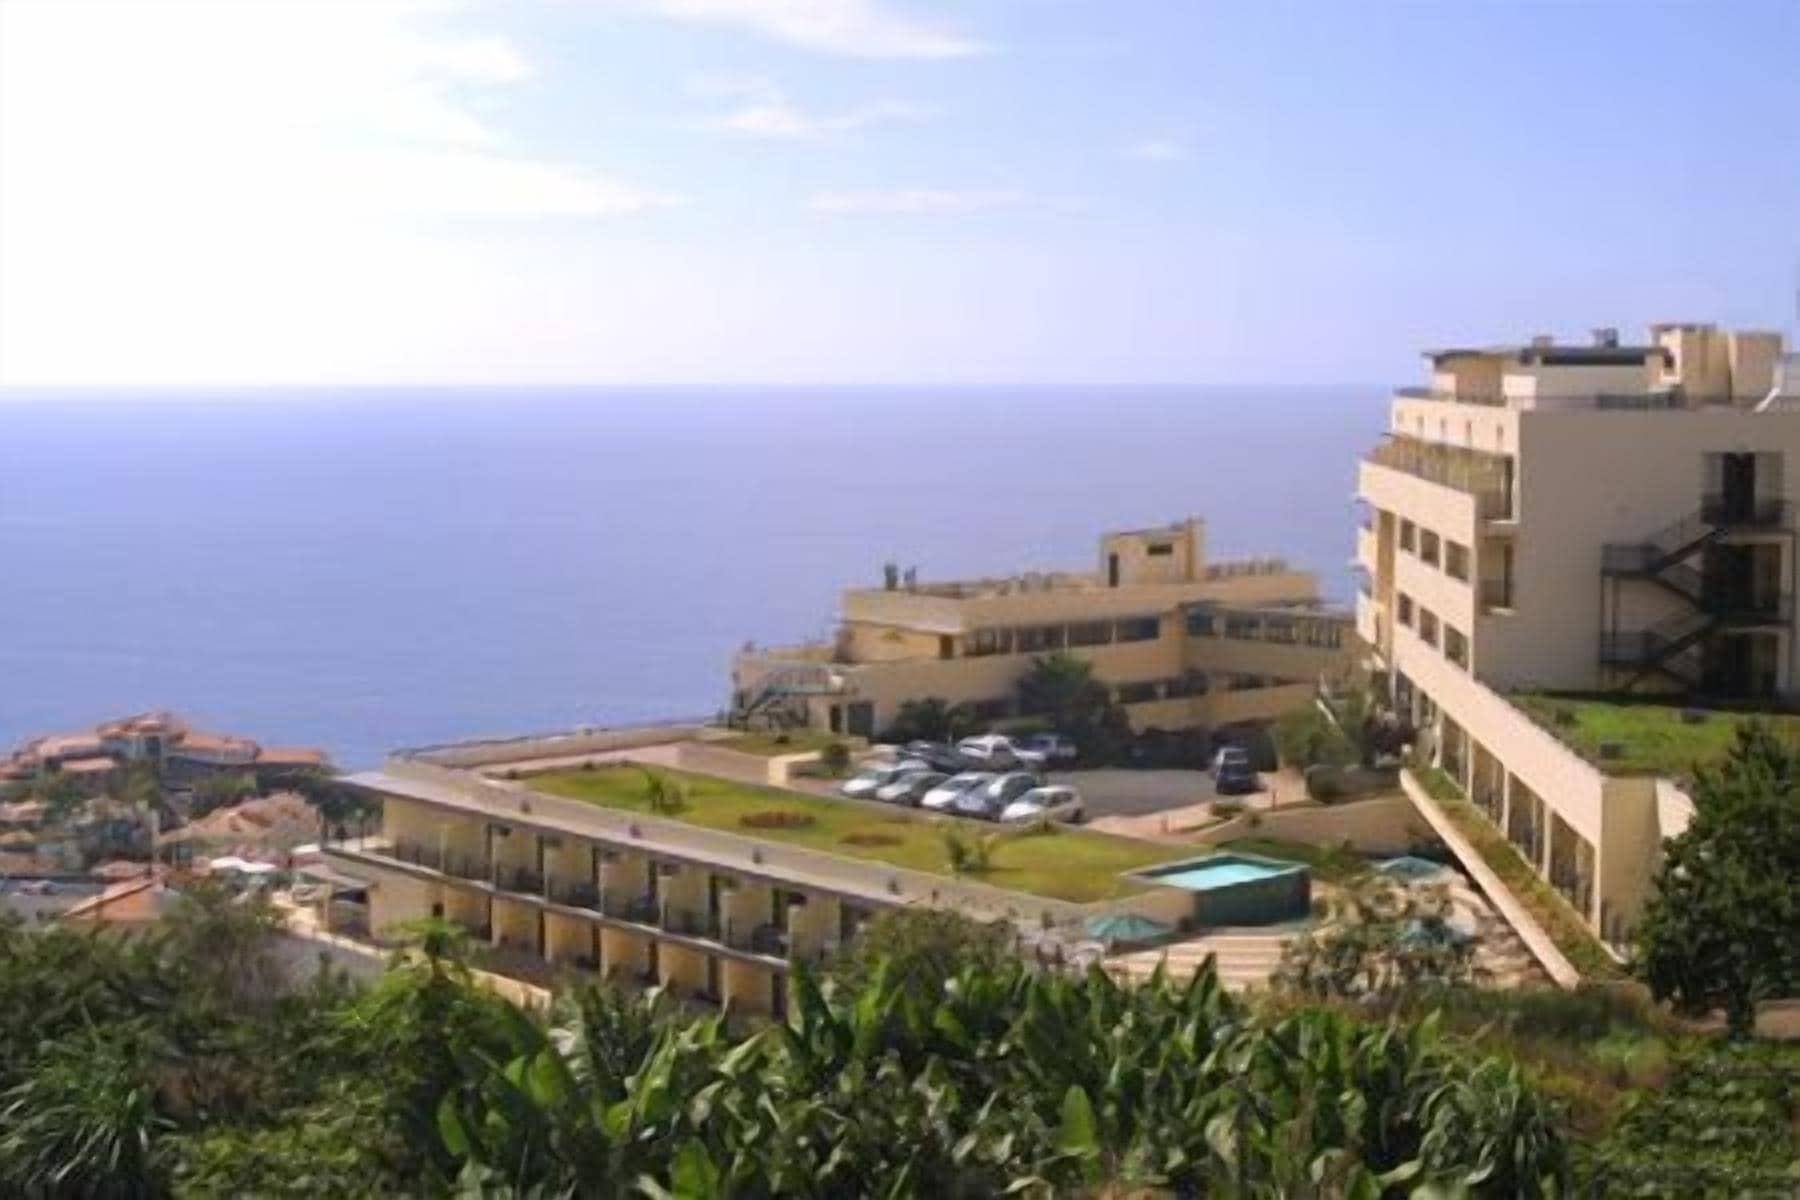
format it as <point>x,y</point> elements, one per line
<point>1581,518</point>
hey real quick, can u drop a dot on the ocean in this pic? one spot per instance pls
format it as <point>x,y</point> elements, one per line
<point>364,569</point>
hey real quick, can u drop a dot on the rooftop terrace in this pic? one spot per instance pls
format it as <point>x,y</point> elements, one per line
<point>1624,736</point>
<point>1062,864</point>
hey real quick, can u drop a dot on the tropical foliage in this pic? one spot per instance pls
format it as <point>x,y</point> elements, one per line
<point>1380,939</point>
<point>1723,928</point>
<point>931,719</point>
<point>1061,689</point>
<point>925,1061</point>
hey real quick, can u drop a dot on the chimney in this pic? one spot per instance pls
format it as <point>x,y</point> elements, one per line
<point>1606,337</point>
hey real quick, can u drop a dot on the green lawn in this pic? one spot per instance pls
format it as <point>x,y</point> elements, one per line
<point>1651,737</point>
<point>1063,864</point>
<point>1333,864</point>
<point>800,741</point>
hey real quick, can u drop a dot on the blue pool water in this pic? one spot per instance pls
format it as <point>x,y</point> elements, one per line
<point>1222,873</point>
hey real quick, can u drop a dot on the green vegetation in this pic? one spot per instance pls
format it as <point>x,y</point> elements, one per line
<point>1306,737</point>
<point>835,758</point>
<point>931,720</point>
<point>1381,940</point>
<point>927,1061</point>
<point>1650,737</point>
<point>1561,922</point>
<point>1063,864</point>
<point>772,745</point>
<point>1333,864</point>
<point>1060,689</point>
<point>1722,929</point>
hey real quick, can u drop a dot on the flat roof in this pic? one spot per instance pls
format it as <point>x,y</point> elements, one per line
<point>1556,355</point>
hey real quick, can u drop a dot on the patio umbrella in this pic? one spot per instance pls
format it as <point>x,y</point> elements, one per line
<point>1125,927</point>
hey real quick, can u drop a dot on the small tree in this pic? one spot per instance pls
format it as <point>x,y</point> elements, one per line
<point>1306,737</point>
<point>835,758</point>
<point>1383,939</point>
<point>931,719</point>
<point>1723,927</point>
<point>663,793</point>
<point>1062,689</point>
<point>923,947</point>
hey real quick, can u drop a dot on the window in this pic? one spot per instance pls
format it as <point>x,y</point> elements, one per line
<point>1409,534</point>
<point>1159,549</point>
<point>1035,639</point>
<point>988,641</point>
<point>1279,629</point>
<point>1428,547</point>
<point>1239,625</point>
<point>1406,610</point>
<point>1139,629</point>
<point>1200,622</point>
<point>1192,683</point>
<point>1140,692</point>
<point>1456,646</point>
<point>1428,625</point>
<point>1091,633</point>
<point>1456,561</point>
<point>1245,683</point>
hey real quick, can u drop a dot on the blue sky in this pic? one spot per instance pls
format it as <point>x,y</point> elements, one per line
<point>876,190</point>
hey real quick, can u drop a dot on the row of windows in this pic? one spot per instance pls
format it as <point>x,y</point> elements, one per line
<point>1039,639</point>
<point>1433,632</point>
<point>1265,627</point>
<point>1452,558</point>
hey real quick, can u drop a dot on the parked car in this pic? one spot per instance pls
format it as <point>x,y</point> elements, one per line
<point>997,752</point>
<point>1004,789</point>
<point>1234,756</point>
<point>945,794</point>
<point>1057,750</point>
<point>864,784</point>
<point>910,789</point>
<point>941,755</point>
<point>1056,803</point>
<point>1235,778</point>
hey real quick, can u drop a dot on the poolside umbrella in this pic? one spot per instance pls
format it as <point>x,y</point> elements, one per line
<point>1125,927</point>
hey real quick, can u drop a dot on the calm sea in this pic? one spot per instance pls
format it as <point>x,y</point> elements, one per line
<point>365,569</point>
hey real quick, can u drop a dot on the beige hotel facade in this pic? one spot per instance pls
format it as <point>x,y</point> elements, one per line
<point>1596,517</point>
<point>1184,642</point>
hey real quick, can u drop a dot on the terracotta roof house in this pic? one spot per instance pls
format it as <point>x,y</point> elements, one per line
<point>181,753</point>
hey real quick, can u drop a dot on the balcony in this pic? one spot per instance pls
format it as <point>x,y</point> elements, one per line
<point>1487,477</point>
<point>1496,595</point>
<point>520,879</point>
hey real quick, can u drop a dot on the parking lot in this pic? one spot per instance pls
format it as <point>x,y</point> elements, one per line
<point>1124,792</point>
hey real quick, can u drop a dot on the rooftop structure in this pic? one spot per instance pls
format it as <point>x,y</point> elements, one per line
<point>1601,518</point>
<point>1185,643</point>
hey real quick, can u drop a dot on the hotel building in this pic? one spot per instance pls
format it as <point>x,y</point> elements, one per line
<point>548,885</point>
<point>1581,518</point>
<point>1183,642</point>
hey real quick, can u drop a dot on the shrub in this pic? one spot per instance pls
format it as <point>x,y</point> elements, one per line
<point>777,818</point>
<point>1306,737</point>
<point>1324,783</point>
<point>835,758</point>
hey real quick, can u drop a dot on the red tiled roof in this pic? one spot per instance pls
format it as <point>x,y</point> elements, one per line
<point>298,756</point>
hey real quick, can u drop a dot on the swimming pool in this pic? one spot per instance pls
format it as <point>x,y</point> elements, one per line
<point>1238,889</point>
<point>1220,872</point>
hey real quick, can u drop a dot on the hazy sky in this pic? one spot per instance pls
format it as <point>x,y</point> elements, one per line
<point>876,190</point>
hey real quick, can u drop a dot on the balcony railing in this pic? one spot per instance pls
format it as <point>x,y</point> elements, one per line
<point>1487,477</point>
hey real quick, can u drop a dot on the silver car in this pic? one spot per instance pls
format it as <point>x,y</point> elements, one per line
<point>1046,804</point>
<point>991,798</point>
<point>946,794</point>
<point>863,786</point>
<point>910,789</point>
